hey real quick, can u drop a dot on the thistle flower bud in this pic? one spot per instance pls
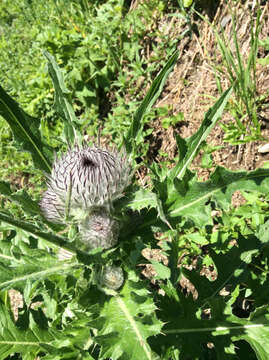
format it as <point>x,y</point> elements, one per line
<point>83,179</point>
<point>99,229</point>
<point>111,277</point>
<point>52,208</point>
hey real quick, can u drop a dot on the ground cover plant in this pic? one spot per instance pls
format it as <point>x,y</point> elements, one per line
<point>163,267</point>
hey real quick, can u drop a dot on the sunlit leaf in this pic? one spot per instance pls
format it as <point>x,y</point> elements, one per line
<point>62,103</point>
<point>25,129</point>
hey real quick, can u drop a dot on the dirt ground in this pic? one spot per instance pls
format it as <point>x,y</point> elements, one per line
<point>192,88</point>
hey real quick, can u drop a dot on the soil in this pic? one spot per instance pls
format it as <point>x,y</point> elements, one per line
<point>192,89</point>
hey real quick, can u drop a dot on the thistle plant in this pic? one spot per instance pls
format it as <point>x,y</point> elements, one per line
<point>87,307</point>
<point>82,186</point>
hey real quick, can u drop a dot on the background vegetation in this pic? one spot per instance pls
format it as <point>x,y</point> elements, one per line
<point>202,244</point>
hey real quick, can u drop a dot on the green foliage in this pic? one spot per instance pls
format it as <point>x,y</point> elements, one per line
<point>62,104</point>
<point>25,130</point>
<point>265,45</point>
<point>136,128</point>
<point>99,64</point>
<point>206,295</point>
<point>130,323</point>
<point>137,323</point>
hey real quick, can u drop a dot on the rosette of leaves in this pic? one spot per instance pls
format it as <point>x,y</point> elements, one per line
<point>83,184</point>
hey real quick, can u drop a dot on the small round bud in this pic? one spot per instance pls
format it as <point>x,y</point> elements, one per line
<point>99,229</point>
<point>111,277</point>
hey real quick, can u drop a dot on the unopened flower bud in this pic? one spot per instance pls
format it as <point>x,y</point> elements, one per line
<point>99,229</point>
<point>83,179</point>
<point>111,277</point>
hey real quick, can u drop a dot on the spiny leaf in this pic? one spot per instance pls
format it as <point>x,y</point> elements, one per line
<point>16,275</point>
<point>188,197</point>
<point>62,104</point>
<point>25,129</point>
<point>125,323</point>
<point>256,332</point>
<point>141,199</point>
<point>263,232</point>
<point>148,101</point>
<point>232,268</point>
<point>23,342</point>
<point>19,265</point>
<point>21,197</point>
<point>186,331</point>
<point>195,141</point>
<point>48,236</point>
<point>34,230</point>
<point>34,340</point>
<point>144,198</point>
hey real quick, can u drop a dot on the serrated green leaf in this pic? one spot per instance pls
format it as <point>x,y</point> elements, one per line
<point>125,322</point>
<point>256,332</point>
<point>195,141</point>
<point>144,198</point>
<point>231,267</point>
<point>148,101</point>
<point>141,199</point>
<point>163,272</point>
<point>17,268</point>
<point>188,197</point>
<point>187,332</point>
<point>21,197</point>
<point>33,341</point>
<point>263,232</point>
<point>62,104</point>
<point>14,340</point>
<point>48,236</point>
<point>25,129</point>
<point>34,230</point>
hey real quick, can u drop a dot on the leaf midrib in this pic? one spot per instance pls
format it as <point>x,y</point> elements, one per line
<point>177,211</point>
<point>133,325</point>
<point>38,274</point>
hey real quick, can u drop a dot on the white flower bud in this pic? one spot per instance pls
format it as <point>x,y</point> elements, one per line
<point>83,185</point>
<point>83,179</point>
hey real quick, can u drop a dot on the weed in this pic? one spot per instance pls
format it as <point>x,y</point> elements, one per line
<point>94,304</point>
<point>184,274</point>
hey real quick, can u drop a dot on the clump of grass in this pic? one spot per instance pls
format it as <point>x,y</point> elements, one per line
<point>240,71</point>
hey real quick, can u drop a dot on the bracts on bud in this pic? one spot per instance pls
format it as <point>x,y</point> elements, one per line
<point>99,229</point>
<point>82,186</point>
